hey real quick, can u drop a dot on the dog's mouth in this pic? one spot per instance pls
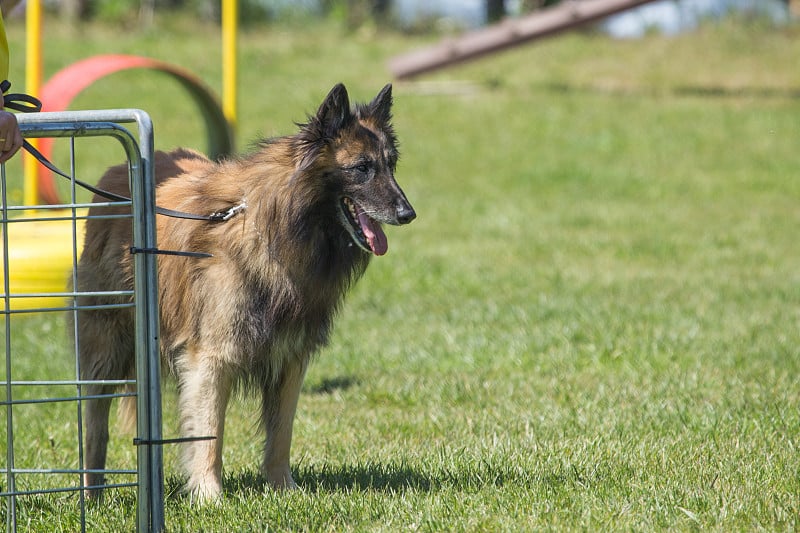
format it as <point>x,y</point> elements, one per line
<point>365,231</point>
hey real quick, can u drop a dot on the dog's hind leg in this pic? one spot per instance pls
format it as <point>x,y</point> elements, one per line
<point>106,353</point>
<point>95,413</point>
<point>205,387</point>
<point>278,410</point>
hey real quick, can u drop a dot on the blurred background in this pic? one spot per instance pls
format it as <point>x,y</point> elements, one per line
<point>594,322</point>
<point>422,15</point>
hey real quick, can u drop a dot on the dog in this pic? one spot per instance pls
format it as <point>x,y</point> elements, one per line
<point>307,215</point>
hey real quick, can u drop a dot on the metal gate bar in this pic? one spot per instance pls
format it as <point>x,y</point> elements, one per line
<point>73,124</point>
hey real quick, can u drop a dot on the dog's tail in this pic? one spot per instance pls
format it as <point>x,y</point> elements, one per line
<point>126,411</point>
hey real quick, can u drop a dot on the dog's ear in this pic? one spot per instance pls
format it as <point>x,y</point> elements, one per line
<point>334,113</point>
<point>381,106</point>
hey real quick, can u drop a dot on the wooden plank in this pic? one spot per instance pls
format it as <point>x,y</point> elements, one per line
<point>565,16</point>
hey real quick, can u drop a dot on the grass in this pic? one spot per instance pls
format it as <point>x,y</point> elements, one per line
<point>593,324</point>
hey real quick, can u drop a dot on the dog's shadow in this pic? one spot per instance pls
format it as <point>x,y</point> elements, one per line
<point>371,476</point>
<point>343,478</point>
<point>399,477</point>
<point>330,385</point>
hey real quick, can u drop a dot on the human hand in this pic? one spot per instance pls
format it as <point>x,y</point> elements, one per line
<point>10,136</point>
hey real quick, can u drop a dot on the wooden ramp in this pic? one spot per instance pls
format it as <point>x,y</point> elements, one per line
<point>567,15</point>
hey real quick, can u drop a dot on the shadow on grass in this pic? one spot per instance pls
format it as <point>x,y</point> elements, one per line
<point>399,478</point>
<point>390,478</point>
<point>370,476</point>
<point>375,477</point>
<point>699,91</point>
<point>330,385</point>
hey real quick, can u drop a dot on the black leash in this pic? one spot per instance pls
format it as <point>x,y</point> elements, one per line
<point>26,103</point>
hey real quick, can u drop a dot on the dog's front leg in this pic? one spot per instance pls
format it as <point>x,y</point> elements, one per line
<point>204,392</point>
<point>278,410</point>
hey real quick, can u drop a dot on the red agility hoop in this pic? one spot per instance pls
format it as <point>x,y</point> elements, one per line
<point>67,83</point>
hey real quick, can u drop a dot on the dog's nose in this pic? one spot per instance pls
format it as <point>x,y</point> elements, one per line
<point>405,214</point>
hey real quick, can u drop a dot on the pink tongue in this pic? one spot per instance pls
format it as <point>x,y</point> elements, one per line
<point>376,238</point>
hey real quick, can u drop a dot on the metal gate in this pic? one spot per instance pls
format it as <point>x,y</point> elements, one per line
<point>47,471</point>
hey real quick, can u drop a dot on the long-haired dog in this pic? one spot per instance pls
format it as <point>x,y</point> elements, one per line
<point>309,213</point>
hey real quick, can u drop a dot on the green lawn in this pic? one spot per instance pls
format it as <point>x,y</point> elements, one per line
<point>593,324</point>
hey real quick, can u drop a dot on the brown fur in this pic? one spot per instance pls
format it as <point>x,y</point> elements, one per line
<point>255,312</point>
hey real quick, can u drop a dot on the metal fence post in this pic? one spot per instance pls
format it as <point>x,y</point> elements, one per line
<point>151,491</point>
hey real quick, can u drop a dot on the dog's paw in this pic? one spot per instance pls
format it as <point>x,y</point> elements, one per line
<point>203,491</point>
<point>93,496</point>
<point>280,479</point>
<point>93,483</point>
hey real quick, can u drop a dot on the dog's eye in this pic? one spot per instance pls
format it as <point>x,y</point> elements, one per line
<point>362,171</point>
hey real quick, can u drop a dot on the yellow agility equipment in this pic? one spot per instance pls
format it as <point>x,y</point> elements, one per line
<point>40,255</point>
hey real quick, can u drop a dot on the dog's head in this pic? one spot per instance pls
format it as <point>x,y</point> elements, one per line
<point>356,150</point>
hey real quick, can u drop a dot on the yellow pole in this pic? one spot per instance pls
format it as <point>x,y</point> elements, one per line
<point>33,82</point>
<point>229,24</point>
